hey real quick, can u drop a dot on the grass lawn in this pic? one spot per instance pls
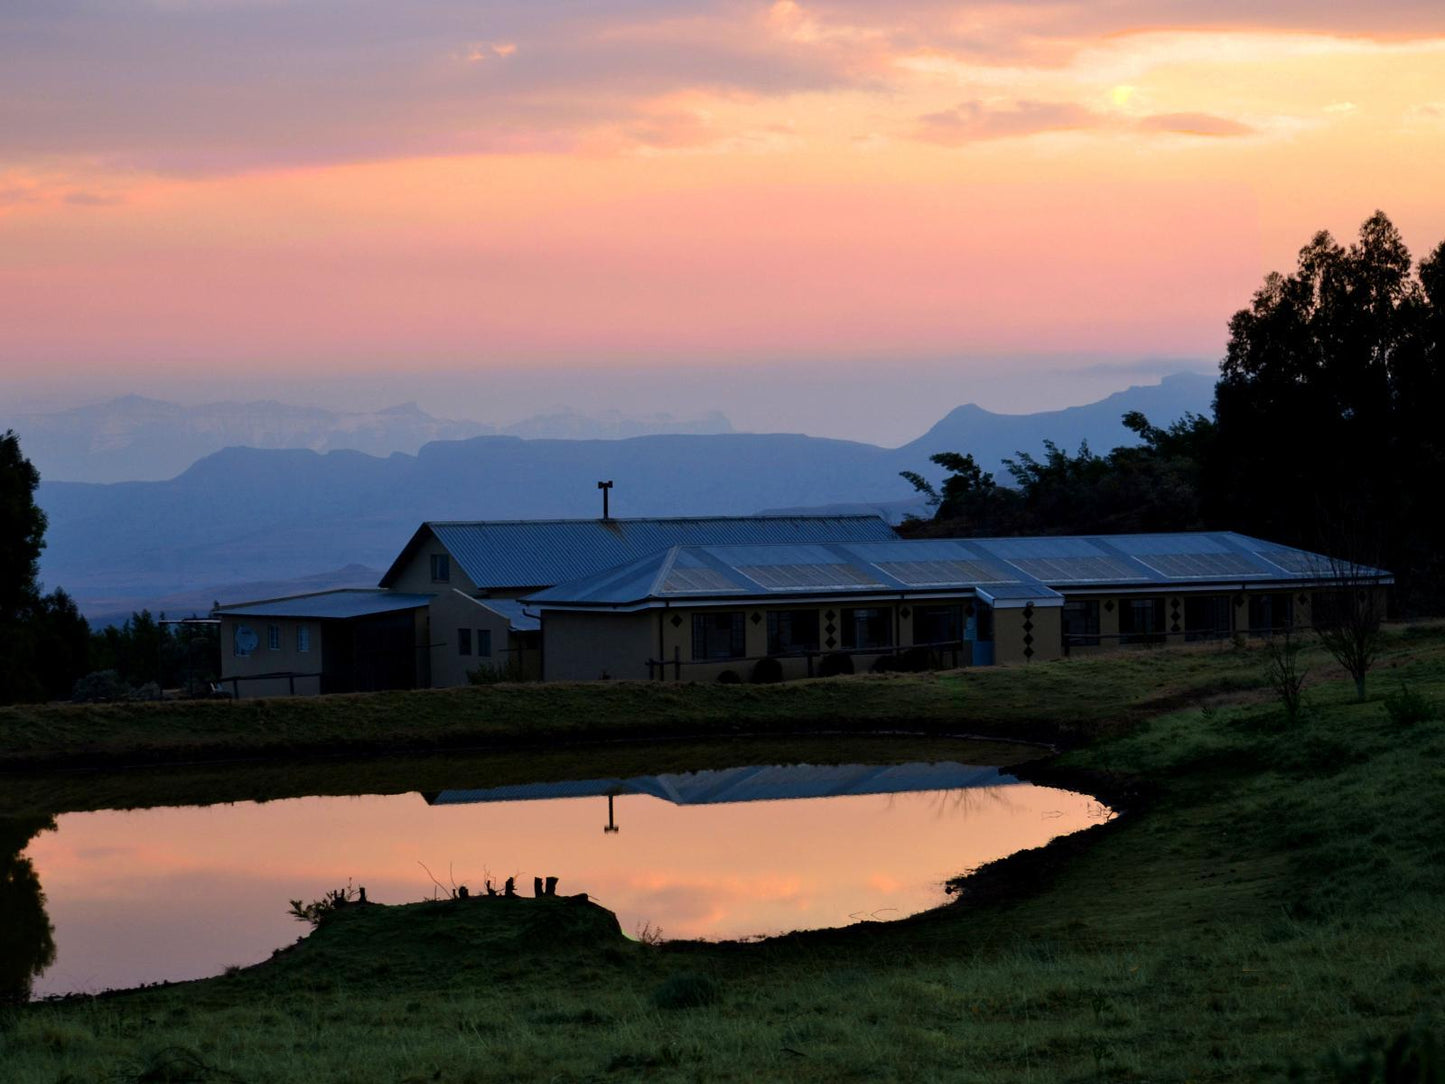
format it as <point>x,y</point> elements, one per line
<point>1270,906</point>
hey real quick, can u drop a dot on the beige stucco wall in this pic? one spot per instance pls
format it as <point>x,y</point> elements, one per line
<point>287,660</point>
<point>451,611</point>
<point>1008,635</point>
<point>597,646</point>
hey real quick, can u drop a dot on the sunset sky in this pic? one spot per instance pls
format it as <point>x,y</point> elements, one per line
<point>493,207</point>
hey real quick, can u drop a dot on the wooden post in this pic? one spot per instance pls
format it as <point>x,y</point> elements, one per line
<point>510,888</point>
<point>537,887</point>
<point>551,886</point>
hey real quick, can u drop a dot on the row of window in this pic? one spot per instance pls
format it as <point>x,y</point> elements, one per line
<point>483,642</point>
<point>1203,617</point>
<point>244,641</point>
<point>722,634</point>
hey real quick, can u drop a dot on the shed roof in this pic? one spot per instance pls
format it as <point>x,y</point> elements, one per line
<point>1007,571</point>
<point>518,619</point>
<point>542,552</point>
<point>324,605</point>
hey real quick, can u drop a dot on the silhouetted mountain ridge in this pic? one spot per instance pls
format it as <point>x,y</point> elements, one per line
<point>249,515</point>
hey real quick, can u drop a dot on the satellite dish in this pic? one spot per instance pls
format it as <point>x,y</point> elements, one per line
<point>246,639</point>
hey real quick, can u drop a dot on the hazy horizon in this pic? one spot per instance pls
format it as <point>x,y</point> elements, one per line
<point>875,404</point>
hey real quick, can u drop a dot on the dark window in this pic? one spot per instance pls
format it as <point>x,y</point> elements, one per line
<point>1270,613</point>
<point>717,635</point>
<point>937,624</point>
<point>273,637</point>
<point>303,638</point>
<point>484,643</point>
<point>1208,617</point>
<point>1081,623</point>
<point>1141,621</point>
<point>464,641</point>
<point>866,628</point>
<point>441,568</point>
<point>792,632</point>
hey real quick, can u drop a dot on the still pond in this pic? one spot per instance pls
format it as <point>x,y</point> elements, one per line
<point>163,894</point>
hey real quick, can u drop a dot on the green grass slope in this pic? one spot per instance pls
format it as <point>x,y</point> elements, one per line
<point>1270,906</point>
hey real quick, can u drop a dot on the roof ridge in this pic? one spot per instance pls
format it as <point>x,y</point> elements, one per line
<point>669,558</point>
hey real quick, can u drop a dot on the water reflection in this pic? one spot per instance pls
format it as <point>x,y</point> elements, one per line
<point>27,941</point>
<point>171,893</point>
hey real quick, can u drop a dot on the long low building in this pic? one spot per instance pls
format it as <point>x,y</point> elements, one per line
<point>705,613</point>
<point>759,598</point>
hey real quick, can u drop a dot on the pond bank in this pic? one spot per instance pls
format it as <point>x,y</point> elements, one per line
<point>1061,703</point>
<point>1276,907</point>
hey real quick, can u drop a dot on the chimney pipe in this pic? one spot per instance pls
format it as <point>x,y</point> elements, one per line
<point>604,486</point>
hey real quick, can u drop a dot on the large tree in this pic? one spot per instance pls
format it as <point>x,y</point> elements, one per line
<point>1328,404</point>
<point>45,639</point>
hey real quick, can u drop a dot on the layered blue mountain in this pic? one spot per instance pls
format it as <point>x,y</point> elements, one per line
<point>251,516</point>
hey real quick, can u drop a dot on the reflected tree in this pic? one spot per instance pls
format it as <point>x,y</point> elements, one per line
<point>27,939</point>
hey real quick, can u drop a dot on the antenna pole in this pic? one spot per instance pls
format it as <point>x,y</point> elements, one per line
<point>604,486</point>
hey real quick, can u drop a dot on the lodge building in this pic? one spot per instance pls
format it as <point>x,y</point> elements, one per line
<point>758,598</point>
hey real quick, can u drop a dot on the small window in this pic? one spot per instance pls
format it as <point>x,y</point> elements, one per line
<point>243,641</point>
<point>273,637</point>
<point>1141,621</point>
<point>942,625</point>
<point>1080,620</point>
<point>484,643</point>
<point>303,638</point>
<point>867,628</point>
<point>717,636</point>
<point>792,632</point>
<point>441,568</point>
<point>464,641</point>
<point>1208,617</point>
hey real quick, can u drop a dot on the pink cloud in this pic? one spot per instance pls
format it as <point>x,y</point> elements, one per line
<point>975,120</point>
<point>1199,124</point>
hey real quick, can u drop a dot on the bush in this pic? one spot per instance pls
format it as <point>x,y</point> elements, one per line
<point>149,691</point>
<point>486,674</point>
<point>767,671</point>
<point>1407,707</point>
<point>686,990</point>
<point>729,677</point>
<point>98,686</point>
<point>835,664</point>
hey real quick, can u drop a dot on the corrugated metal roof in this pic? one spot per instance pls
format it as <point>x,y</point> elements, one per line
<point>538,553</point>
<point>1009,570</point>
<point>858,568</point>
<point>513,610</point>
<point>751,784</point>
<point>326,605</point>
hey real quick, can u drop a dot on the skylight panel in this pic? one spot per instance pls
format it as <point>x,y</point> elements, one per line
<point>1075,569</point>
<point>681,581</point>
<point>783,577</point>
<point>1202,566</point>
<point>932,573</point>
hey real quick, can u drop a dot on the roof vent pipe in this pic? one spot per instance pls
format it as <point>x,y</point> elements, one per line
<point>604,486</point>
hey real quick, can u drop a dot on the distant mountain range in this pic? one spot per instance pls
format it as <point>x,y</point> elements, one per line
<point>137,439</point>
<point>257,518</point>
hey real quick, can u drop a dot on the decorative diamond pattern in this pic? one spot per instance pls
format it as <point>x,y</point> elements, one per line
<point>756,618</point>
<point>830,642</point>
<point>905,613</point>
<point>676,621</point>
<point>830,615</point>
<point>830,628</point>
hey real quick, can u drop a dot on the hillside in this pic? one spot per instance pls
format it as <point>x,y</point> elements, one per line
<point>243,515</point>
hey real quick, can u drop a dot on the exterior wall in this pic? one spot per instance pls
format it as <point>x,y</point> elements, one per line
<point>597,646</point>
<point>241,673</point>
<point>450,612</point>
<point>675,643</point>
<point>1043,623</point>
